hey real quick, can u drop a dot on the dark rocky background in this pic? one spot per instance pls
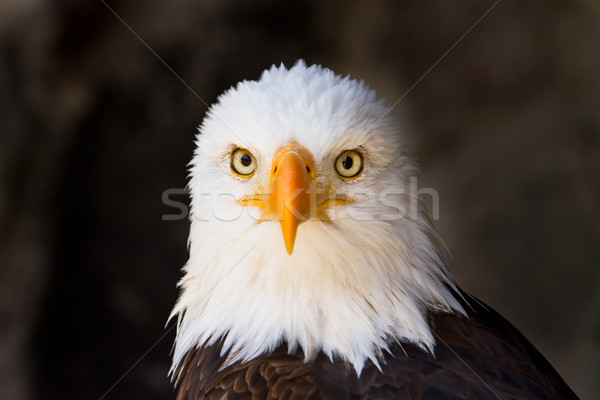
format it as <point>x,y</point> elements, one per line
<point>93,129</point>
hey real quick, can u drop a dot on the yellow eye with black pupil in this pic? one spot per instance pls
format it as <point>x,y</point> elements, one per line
<point>349,164</point>
<point>243,163</point>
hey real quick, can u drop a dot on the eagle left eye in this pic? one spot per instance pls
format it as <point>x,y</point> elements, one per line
<point>349,164</point>
<point>243,163</point>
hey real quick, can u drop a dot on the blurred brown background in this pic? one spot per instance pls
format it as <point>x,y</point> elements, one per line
<point>94,128</point>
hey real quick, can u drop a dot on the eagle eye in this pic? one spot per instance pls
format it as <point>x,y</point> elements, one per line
<point>243,163</point>
<point>349,164</point>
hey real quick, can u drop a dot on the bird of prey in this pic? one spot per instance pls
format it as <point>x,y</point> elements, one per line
<point>314,273</point>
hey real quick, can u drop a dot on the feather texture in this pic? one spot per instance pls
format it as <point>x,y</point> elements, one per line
<point>481,356</point>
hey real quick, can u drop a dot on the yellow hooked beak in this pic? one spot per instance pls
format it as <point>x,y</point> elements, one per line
<point>292,196</point>
<point>293,193</point>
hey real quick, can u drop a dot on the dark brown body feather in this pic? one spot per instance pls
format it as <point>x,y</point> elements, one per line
<point>479,357</point>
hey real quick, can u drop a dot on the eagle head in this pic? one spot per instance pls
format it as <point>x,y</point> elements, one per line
<point>303,227</point>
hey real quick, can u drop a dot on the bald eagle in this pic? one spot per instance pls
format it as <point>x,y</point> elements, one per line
<point>314,273</point>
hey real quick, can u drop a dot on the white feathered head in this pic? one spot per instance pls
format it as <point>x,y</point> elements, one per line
<point>303,228</point>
